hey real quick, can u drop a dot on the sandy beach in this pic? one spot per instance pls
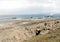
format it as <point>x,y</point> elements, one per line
<point>22,30</point>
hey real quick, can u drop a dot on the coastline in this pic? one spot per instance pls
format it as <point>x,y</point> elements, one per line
<point>20,30</point>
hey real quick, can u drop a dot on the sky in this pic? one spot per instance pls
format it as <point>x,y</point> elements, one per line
<point>12,7</point>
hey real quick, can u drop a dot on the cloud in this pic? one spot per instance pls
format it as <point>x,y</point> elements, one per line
<point>28,6</point>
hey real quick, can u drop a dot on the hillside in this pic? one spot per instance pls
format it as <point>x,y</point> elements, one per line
<point>24,30</point>
<point>52,36</point>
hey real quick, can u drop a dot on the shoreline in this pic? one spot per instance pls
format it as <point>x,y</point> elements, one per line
<point>22,29</point>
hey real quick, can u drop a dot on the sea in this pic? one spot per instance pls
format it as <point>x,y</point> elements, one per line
<point>14,17</point>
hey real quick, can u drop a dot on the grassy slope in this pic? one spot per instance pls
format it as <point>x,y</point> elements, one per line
<point>52,36</point>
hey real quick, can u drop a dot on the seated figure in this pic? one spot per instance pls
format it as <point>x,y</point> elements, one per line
<point>38,31</point>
